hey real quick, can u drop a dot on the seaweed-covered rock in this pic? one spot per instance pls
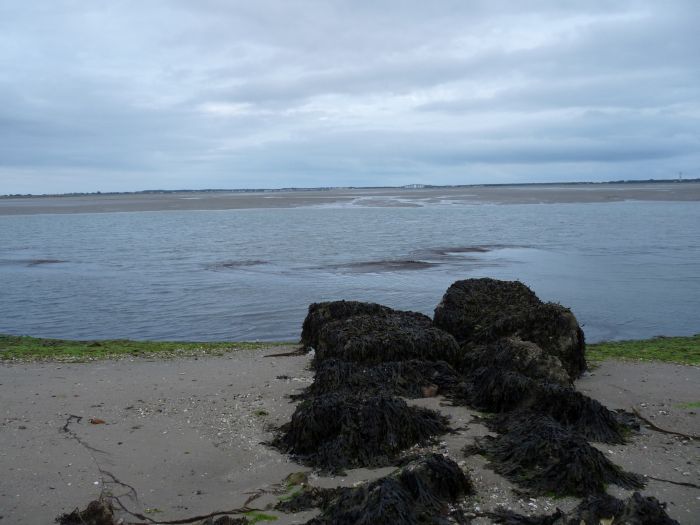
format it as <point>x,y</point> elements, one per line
<point>416,493</point>
<point>337,431</point>
<point>544,457</point>
<point>482,311</point>
<point>517,355</point>
<point>470,306</point>
<point>412,379</point>
<point>322,313</point>
<point>98,512</point>
<point>595,510</point>
<point>395,336</point>
<point>553,328</point>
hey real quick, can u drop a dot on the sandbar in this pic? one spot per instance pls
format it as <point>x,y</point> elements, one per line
<point>368,197</point>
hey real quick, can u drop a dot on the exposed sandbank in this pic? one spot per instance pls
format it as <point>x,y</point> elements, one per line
<point>186,434</point>
<point>389,197</point>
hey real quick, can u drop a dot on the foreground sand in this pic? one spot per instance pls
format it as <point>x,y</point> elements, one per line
<point>392,197</point>
<point>186,435</point>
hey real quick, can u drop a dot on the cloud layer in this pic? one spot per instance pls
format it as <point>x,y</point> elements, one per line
<point>176,94</point>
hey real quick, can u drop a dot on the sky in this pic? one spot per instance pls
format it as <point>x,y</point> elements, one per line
<point>133,95</point>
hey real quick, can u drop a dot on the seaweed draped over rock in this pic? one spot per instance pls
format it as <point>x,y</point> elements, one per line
<point>481,311</point>
<point>517,355</point>
<point>593,510</point>
<point>413,378</point>
<point>322,313</point>
<point>346,430</point>
<point>396,336</point>
<point>543,457</point>
<point>471,306</point>
<point>416,493</point>
<point>365,354</point>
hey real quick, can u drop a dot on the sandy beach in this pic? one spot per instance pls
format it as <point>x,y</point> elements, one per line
<point>394,197</point>
<point>187,435</point>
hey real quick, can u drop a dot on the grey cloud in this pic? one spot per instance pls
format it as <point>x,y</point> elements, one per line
<point>135,95</point>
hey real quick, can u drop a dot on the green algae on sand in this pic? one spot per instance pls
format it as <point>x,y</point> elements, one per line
<point>24,348</point>
<point>680,350</point>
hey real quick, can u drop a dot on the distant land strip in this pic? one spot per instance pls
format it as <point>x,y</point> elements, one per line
<point>334,188</point>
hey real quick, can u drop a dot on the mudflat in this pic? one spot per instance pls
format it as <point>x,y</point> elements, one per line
<point>392,197</point>
<point>176,438</point>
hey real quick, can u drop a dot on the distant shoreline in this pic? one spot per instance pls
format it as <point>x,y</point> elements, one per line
<point>352,197</point>
<point>336,188</point>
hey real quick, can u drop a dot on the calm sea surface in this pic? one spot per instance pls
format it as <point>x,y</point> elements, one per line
<point>627,269</point>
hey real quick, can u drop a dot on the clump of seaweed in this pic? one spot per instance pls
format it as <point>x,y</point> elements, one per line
<point>481,311</point>
<point>384,501</point>
<point>342,430</point>
<point>583,414</point>
<point>594,510</point>
<point>413,378</point>
<point>98,512</point>
<point>543,457</point>
<point>322,313</point>
<point>416,493</point>
<point>494,389</point>
<point>640,510</point>
<point>396,336</point>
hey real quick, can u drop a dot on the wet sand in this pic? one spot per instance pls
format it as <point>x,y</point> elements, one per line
<point>187,435</point>
<point>391,197</point>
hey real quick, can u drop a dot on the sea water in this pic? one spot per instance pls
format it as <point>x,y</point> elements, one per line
<point>626,269</point>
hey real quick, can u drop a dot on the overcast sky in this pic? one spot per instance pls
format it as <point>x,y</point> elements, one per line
<point>131,95</point>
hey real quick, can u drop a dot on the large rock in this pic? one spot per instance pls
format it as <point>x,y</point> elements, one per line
<point>322,313</point>
<point>481,311</point>
<point>396,336</point>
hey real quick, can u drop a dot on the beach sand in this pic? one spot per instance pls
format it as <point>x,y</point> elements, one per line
<point>187,435</point>
<point>393,197</point>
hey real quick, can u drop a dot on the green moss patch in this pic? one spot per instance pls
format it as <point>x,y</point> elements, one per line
<point>13,348</point>
<point>255,516</point>
<point>682,350</point>
<point>689,406</point>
